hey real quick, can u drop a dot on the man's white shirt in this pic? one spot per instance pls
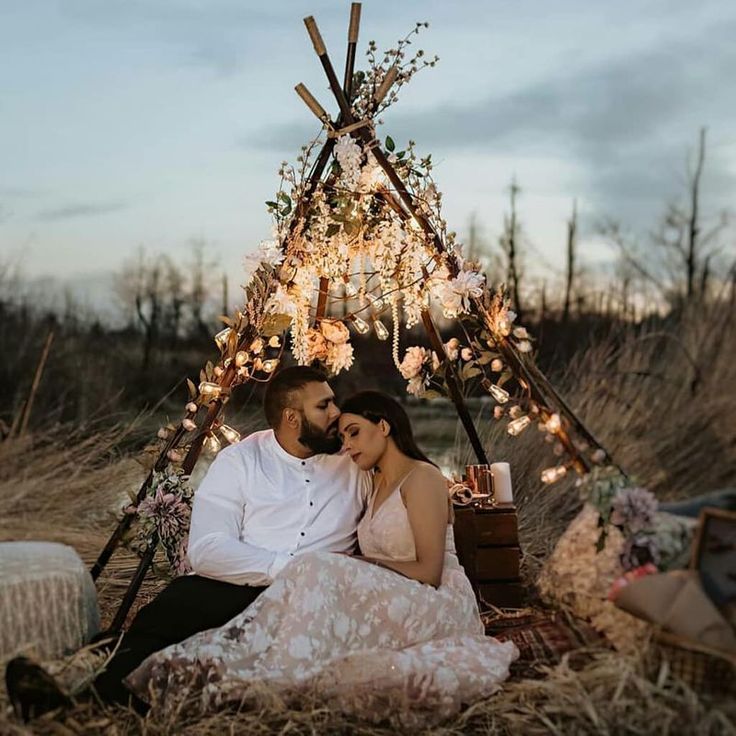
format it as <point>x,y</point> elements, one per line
<point>258,507</point>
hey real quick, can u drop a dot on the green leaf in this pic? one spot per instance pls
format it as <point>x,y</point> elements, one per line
<point>390,145</point>
<point>284,197</point>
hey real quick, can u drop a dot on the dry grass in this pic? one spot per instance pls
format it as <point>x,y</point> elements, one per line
<point>636,393</point>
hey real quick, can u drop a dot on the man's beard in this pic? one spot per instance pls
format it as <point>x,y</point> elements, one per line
<point>318,440</point>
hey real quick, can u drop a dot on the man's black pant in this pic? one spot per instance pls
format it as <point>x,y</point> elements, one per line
<point>190,604</point>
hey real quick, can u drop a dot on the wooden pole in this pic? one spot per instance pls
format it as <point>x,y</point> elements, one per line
<point>454,389</point>
<point>36,382</point>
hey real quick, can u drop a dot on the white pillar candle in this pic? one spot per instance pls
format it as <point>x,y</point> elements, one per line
<point>501,473</point>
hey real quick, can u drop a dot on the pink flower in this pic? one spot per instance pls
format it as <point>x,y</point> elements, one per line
<point>413,361</point>
<point>334,331</point>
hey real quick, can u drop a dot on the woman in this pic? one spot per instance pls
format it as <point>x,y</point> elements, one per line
<point>394,632</point>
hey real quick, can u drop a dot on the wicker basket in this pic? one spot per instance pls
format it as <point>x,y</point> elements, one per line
<point>705,670</point>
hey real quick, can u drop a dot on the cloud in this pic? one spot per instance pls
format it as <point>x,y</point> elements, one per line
<point>81,209</point>
<point>626,124</point>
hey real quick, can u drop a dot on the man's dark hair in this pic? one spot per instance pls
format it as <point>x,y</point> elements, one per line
<point>280,390</point>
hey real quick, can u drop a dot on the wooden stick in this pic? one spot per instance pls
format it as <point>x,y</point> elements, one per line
<point>132,591</point>
<point>312,104</point>
<point>454,389</point>
<point>353,30</point>
<point>36,382</point>
<point>315,35</point>
<point>324,287</point>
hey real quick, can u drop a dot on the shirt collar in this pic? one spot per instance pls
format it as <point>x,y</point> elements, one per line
<point>284,456</point>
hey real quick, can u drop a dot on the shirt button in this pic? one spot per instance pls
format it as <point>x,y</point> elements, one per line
<point>303,534</point>
<point>303,463</point>
<point>307,480</point>
<point>311,503</point>
<point>291,554</point>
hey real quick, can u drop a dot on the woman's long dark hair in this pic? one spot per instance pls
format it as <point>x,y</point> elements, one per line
<point>374,406</point>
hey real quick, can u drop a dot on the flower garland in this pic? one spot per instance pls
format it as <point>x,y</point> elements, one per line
<point>166,512</point>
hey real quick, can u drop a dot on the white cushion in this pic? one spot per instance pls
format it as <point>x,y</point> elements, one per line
<point>48,602</point>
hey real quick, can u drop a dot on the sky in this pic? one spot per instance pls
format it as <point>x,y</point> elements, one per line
<point>128,123</point>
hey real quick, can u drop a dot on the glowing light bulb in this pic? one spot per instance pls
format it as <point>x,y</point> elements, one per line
<point>552,475</point>
<point>213,444</point>
<point>518,425</point>
<point>381,330</point>
<point>377,302</point>
<point>270,365</point>
<point>230,434</point>
<point>350,291</point>
<point>553,424</point>
<point>498,393</point>
<point>241,358</point>
<point>361,326</point>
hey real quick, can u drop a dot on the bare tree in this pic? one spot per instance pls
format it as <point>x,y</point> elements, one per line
<point>140,287</point>
<point>510,242</point>
<point>200,270</point>
<point>572,225</point>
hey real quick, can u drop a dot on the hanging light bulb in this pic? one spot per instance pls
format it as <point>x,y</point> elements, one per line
<point>350,291</point>
<point>553,424</point>
<point>209,389</point>
<point>377,302</point>
<point>213,444</point>
<point>552,475</point>
<point>361,326</point>
<point>497,392</point>
<point>518,425</point>
<point>381,329</point>
<point>230,434</point>
<point>241,358</point>
<point>270,365</point>
<point>221,338</point>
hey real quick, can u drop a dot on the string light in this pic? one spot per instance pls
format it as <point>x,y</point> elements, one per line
<point>499,394</point>
<point>553,424</point>
<point>381,330</point>
<point>270,365</point>
<point>361,326</point>
<point>213,444</point>
<point>241,358</point>
<point>350,291</point>
<point>230,434</point>
<point>552,475</point>
<point>518,425</point>
<point>377,302</point>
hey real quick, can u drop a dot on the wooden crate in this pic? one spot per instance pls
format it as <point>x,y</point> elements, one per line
<point>487,542</point>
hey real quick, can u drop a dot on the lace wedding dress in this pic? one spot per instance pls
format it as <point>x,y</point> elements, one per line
<point>362,638</point>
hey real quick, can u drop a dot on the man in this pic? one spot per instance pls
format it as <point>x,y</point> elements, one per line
<point>274,495</point>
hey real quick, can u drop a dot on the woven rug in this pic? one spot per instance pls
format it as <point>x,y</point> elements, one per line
<point>544,637</point>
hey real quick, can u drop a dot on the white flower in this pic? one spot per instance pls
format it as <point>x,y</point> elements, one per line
<point>498,412</point>
<point>281,302</point>
<point>339,357</point>
<point>521,333</point>
<point>466,354</point>
<point>348,154</point>
<point>455,294</point>
<point>413,361</point>
<point>416,385</point>
<point>496,365</point>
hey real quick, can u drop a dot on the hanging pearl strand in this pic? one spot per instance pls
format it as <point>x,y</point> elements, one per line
<point>396,327</point>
